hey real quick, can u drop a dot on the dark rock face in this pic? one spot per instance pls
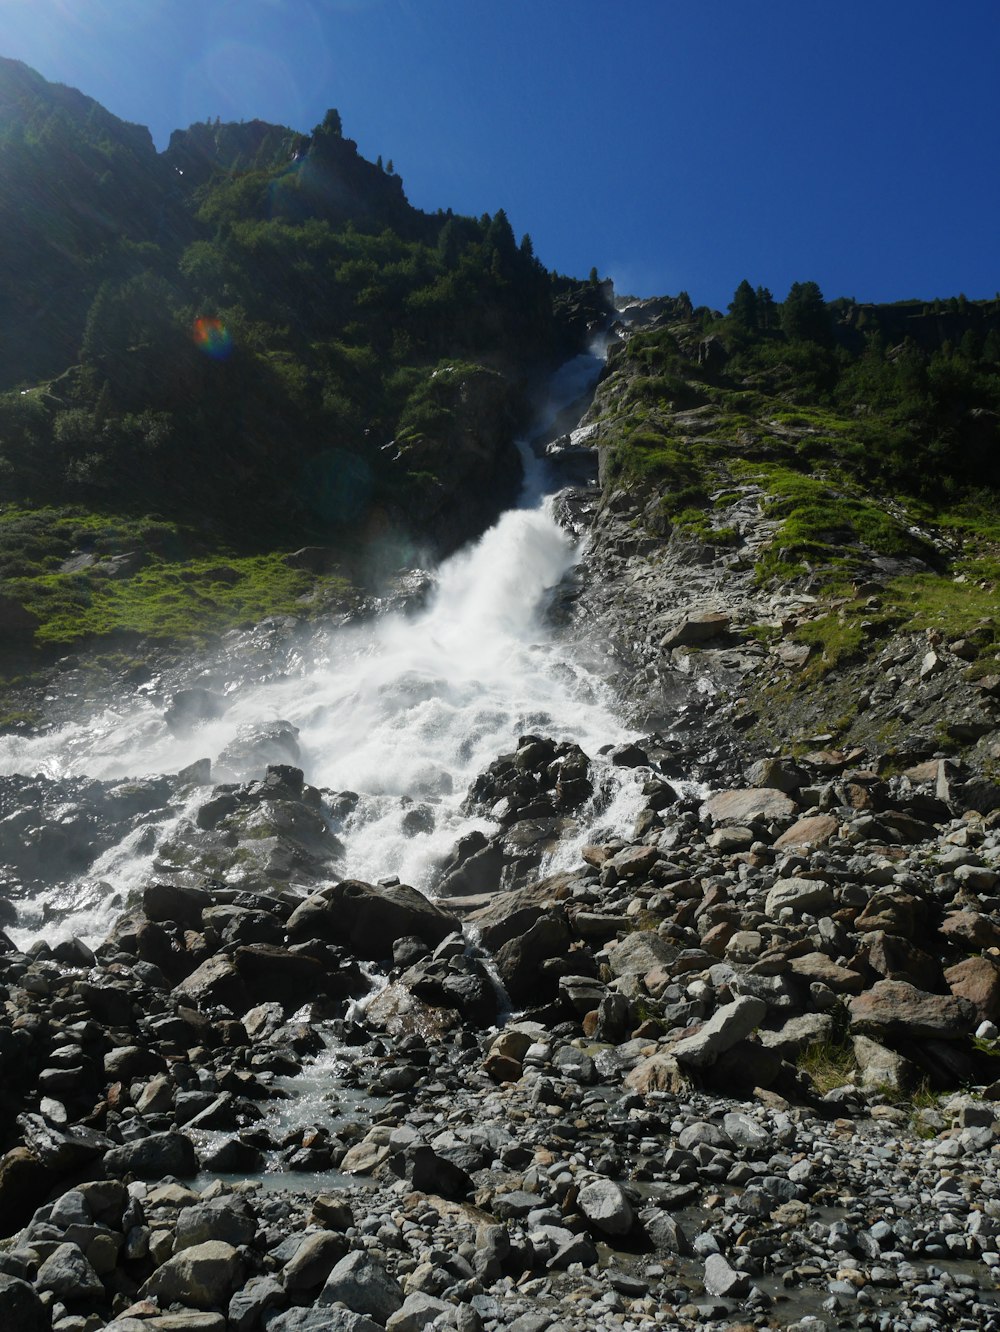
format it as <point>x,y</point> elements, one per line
<point>371,918</point>
<point>153,1157</point>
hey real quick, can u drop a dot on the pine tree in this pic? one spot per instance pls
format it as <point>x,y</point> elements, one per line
<point>804,316</point>
<point>743,309</point>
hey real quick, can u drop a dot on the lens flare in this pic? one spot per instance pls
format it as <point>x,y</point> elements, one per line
<point>213,338</point>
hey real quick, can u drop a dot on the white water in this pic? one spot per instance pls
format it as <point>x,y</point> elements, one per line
<point>405,709</point>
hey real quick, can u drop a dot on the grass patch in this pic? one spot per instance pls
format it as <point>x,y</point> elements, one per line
<point>829,1064</point>
<point>933,601</point>
<point>172,588</point>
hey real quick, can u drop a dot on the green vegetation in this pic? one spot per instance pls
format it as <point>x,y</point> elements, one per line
<point>237,310</point>
<point>254,336</point>
<point>143,576</point>
<point>829,1064</point>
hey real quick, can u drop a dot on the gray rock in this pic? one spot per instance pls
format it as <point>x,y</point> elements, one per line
<point>314,1260</point>
<point>724,1029</point>
<point>68,1274</point>
<point>363,1284</point>
<point>153,1157</point>
<point>203,1276</point>
<point>606,1207</point>
<point>225,1219</point>
<point>639,952</point>
<point>723,1280</point>
<point>881,1067</point>
<point>798,895</point>
<point>20,1306</point>
<point>322,1320</point>
<point>249,1305</point>
<point>417,1312</point>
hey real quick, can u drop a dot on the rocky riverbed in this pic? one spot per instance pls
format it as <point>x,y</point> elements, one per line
<point>696,1028</point>
<point>748,1079</point>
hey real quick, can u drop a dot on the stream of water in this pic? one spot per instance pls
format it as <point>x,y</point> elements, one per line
<point>404,709</point>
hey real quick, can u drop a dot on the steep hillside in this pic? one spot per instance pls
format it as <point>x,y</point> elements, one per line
<point>796,539</point>
<point>241,346</point>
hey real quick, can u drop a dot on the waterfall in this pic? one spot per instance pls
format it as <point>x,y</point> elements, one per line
<point>404,710</point>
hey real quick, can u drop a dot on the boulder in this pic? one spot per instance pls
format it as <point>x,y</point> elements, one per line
<point>882,1068</point>
<point>971,929</point>
<point>724,1029</point>
<point>25,1179</point>
<point>896,1009</point>
<point>798,896</point>
<point>370,918</point>
<point>362,1284</point>
<point>815,830</point>
<point>634,862</point>
<point>68,1275</point>
<point>606,1207</point>
<point>314,1260</point>
<point>203,1276</point>
<point>225,1219</point>
<point>216,983</point>
<point>817,967</point>
<point>698,627</point>
<point>272,973</point>
<point>21,1307</point>
<point>977,981</point>
<point>322,1320</point>
<point>763,804</point>
<point>418,1311</point>
<point>639,952</point>
<point>723,1280</point>
<point>153,1157</point>
<point>518,960</point>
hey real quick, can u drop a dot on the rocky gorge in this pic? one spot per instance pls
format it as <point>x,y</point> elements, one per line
<point>692,1027</point>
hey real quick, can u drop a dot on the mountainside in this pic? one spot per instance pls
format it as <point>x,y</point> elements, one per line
<point>254,334</point>
<point>597,929</point>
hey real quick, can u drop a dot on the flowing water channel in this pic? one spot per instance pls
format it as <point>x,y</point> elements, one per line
<point>403,710</point>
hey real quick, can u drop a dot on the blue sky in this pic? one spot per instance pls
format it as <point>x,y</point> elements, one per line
<point>674,144</point>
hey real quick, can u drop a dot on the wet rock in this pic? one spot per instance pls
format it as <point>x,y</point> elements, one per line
<point>370,918</point>
<point>254,748</point>
<point>191,707</point>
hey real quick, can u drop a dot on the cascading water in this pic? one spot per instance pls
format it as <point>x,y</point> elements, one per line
<point>404,710</point>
